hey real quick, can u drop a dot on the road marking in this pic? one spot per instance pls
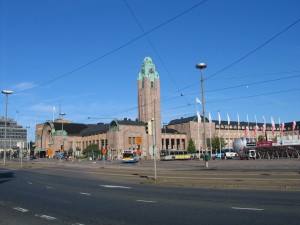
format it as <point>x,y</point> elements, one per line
<point>114,186</point>
<point>146,201</point>
<point>21,209</point>
<point>253,209</point>
<point>29,182</point>
<point>49,187</point>
<point>83,193</point>
<point>47,217</point>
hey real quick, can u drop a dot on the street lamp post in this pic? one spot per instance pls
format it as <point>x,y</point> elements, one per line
<point>62,128</point>
<point>6,92</point>
<point>27,145</point>
<point>202,66</point>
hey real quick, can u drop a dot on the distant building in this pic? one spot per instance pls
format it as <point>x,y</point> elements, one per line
<point>63,136</point>
<point>15,135</point>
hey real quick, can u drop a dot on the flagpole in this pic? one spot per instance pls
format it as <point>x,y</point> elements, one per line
<point>265,127</point>
<point>228,132</point>
<point>219,131</point>
<point>280,130</point>
<point>198,133</point>
<point>53,113</point>
<point>248,127</point>
<point>210,132</point>
<point>198,125</point>
<point>238,116</point>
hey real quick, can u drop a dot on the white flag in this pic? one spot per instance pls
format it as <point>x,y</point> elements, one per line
<point>209,117</point>
<point>199,117</point>
<point>219,116</point>
<point>198,101</point>
<point>228,119</point>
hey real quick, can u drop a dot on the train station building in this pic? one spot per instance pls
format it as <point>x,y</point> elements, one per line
<point>61,135</point>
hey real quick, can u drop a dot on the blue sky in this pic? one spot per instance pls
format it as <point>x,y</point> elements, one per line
<point>85,56</point>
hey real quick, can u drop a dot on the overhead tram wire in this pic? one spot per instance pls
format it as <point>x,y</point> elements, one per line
<point>116,49</point>
<point>247,84</point>
<point>254,50</point>
<point>251,96</point>
<point>220,89</point>
<point>208,102</point>
<point>154,49</point>
<point>257,75</point>
<point>245,56</point>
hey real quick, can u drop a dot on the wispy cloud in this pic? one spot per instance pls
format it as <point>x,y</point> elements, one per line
<point>23,86</point>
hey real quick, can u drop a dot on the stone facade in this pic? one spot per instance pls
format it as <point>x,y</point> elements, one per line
<point>62,135</point>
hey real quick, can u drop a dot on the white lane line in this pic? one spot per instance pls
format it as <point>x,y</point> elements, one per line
<point>49,187</point>
<point>146,201</point>
<point>29,182</point>
<point>83,193</point>
<point>114,186</point>
<point>47,217</point>
<point>21,209</point>
<point>253,209</point>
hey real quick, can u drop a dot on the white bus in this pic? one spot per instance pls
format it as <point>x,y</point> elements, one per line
<point>130,156</point>
<point>174,154</point>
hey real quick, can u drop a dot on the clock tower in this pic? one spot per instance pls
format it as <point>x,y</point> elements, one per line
<point>149,97</point>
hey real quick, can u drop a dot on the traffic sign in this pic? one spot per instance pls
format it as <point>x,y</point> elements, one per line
<point>50,152</point>
<point>151,150</point>
<point>139,140</point>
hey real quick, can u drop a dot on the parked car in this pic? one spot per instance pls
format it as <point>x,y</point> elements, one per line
<point>231,155</point>
<point>219,156</point>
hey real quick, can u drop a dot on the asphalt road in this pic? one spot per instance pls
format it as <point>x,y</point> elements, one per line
<point>279,174</point>
<point>69,195</point>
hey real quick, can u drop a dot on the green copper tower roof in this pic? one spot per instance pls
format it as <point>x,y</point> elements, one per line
<point>148,70</point>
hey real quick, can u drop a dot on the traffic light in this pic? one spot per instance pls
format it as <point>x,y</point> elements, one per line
<point>149,127</point>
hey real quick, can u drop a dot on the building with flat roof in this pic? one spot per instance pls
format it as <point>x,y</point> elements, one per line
<point>16,135</point>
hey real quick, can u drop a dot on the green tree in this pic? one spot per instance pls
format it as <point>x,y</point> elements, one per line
<point>215,142</point>
<point>261,138</point>
<point>92,149</point>
<point>191,147</point>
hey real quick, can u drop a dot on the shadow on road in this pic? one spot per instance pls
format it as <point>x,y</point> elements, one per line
<point>6,176</point>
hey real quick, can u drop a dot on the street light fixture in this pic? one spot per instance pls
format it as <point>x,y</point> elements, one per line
<point>6,92</point>
<point>202,66</point>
